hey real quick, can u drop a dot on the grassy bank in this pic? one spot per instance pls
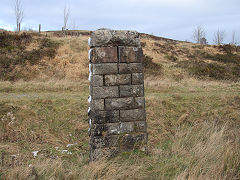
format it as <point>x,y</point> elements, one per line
<point>193,132</point>
<point>192,102</point>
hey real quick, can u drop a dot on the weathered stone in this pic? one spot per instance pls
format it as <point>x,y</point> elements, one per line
<point>124,103</point>
<point>97,142</point>
<point>96,80</point>
<point>96,129</point>
<point>104,141</point>
<point>90,90</point>
<point>132,115</point>
<point>99,117</point>
<point>97,104</point>
<point>139,55</point>
<point>117,117</point>
<point>105,92</point>
<point>140,126</point>
<point>125,68</point>
<point>126,127</point>
<point>104,55</point>
<point>137,78</point>
<point>119,103</point>
<point>131,91</point>
<point>111,80</point>
<point>140,102</point>
<point>106,68</point>
<point>112,128</point>
<point>132,141</point>
<point>130,55</point>
<point>106,37</point>
<point>119,79</point>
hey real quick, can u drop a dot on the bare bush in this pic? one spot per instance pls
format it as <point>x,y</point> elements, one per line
<point>18,9</point>
<point>199,34</point>
<point>219,36</point>
<point>66,14</point>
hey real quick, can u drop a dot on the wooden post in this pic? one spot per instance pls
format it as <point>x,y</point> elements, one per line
<point>39,29</point>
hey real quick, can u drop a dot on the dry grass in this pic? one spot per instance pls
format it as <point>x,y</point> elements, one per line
<point>70,63</point>
<point>193,124</point>
<point>193,132</point>
<point>72,58</point>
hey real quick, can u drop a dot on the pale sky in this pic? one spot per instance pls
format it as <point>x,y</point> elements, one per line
<point>175,19</point>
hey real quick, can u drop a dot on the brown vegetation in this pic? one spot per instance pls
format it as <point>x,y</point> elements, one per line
<point>192,103</point>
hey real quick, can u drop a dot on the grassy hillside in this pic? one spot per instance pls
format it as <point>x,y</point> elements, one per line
<point>192,101</point>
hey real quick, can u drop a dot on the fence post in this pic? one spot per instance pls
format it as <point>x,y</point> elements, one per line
<point>39,28</point>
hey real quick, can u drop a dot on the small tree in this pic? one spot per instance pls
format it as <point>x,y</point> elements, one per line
<point>219,36</point>
<point>66,14</point>
<point>199,34</point>
<point>18,9</point>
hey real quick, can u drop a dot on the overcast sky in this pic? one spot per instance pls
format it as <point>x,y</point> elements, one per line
<point>173,19</point>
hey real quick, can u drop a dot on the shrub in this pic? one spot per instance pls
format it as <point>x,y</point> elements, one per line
<point>150,67</point>
<point>202,70</point>
<point>224,58</point>
<point>227,48</point>
<point>13,53</point>
<point>171,58</point>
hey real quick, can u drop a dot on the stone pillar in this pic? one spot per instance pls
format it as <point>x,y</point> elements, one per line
<point>117,116</point>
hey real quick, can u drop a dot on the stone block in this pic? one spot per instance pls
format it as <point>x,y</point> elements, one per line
<point>96,80</point>
<point>99,117</point>
<point>105,92</point>
<point>104,141</point>
<point>140,126</point>
<point>96,129</point>
<point>106,37</point>
<point>131,91</point>
<point>125,68</point>
<point>137,78</point>
<point>104,55</point>
<point>112,128</point>
<point>132,115</point>
<point>140,102</point>
<point>119,79</point>
<point>90,90</point>
<point>126,127</point>
<point>97,104</point>
<point>124,103</point>
<point>119,103</point>
<point>130,55</point>
<point>106,68</point>
<point>132,141</point>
